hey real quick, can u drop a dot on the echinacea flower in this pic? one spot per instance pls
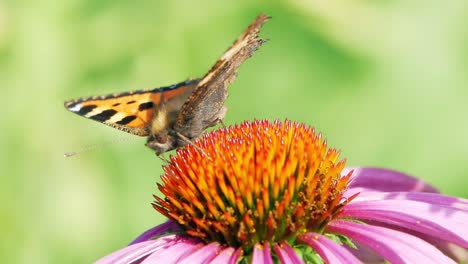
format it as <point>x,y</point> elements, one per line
<point>264,192</point>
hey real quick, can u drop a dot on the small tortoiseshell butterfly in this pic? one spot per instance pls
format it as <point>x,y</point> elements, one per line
<point>172,116</point>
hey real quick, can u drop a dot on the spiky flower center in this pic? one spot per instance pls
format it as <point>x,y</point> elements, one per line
<point>255,182</point>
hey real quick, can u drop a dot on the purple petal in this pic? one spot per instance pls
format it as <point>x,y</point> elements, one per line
<point>385,180</point>
<point>236,256</point>
<point>174,253</point>
<point>395,246</point>
<point>441,222</point>
<point>224,256</point>
<point>262,254</point>
<point>286,254</point>
<point>138,251</point>
<point>329,250</point>
<point>453,251</point>
<point>430,198</point>
<point>202,255</point>
<point>168,226</point>
<point>364,253</point>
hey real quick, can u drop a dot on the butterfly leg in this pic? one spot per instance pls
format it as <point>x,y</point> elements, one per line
<point>163,158</point>
<point>188,141</point>
<point>222,123</point>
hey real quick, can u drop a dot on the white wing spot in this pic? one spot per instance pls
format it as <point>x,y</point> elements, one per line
<point>116,118</point>
<point>75,108</point>
<point>96,111</point>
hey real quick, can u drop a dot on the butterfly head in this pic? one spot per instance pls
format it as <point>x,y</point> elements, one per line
<point>161,143</point>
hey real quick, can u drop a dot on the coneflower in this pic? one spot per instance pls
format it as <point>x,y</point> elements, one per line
<point>264,192</point>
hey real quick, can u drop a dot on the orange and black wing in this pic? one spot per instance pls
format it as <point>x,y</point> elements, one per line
<point>132,111</point>
<point>205,107</point>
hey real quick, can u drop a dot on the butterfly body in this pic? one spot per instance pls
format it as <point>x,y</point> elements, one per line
<point>173,116</point>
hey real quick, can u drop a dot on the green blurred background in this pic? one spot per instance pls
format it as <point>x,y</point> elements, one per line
<point>385,81</point>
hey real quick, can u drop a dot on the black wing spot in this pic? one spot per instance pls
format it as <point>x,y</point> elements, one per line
<point>126,120</point>
<point>144,106</point>
<point>86,109</point>
<point>131,102</point>
<point>116,104</point>
<point>104,115</point>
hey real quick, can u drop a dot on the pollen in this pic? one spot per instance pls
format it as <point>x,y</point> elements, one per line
<point>252,183</point>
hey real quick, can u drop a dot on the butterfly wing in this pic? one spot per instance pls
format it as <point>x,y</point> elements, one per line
<point>132,112</point>
<point>205,107</point>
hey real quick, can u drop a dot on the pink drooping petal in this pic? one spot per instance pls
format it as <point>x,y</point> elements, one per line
<point>203,255</point>
<point>394,246</point>
<point>168,226</point>
<point>442,222</point>
<point>364,253</point>
<point>138,251</point>
<point>262,254</point>
<point>430,198</point>
<point>174,252</point>
<point>235,257</point>
<point>330,251</point>
<point>452,250</point>
<point>286,254</point>
<point>224,256</point>
<point>385,180</point>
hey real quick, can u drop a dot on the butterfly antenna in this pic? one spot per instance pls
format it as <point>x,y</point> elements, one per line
<point>95,146</point>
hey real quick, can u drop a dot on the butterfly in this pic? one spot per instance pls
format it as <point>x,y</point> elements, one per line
<point>173,116</point>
